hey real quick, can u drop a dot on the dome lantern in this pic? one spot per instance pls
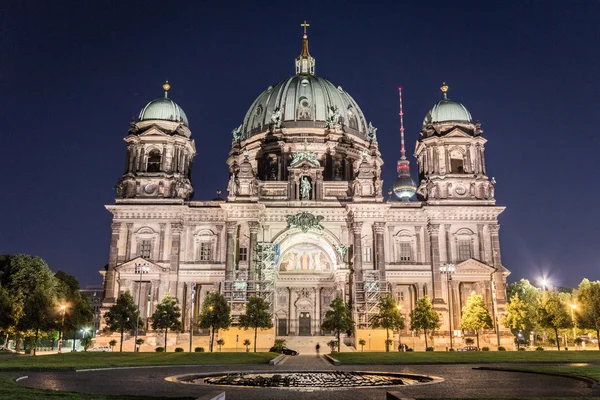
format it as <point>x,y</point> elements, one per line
<point>305,64</point>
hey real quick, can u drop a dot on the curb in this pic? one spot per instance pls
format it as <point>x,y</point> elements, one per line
<point>332,360</point>
<point>277,360</point>
<point>591,383</point>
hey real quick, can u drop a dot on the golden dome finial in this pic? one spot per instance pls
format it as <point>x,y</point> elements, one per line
<point>444,90</point>
<point>166,88</point>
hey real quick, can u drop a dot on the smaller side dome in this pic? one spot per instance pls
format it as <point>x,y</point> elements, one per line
<point>163,109</point>
<point>447,110</point>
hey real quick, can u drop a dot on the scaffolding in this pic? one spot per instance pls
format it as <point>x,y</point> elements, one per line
<point>368,293</point>
<point>262,284</point>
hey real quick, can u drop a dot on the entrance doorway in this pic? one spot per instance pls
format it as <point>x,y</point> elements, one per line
<point>304,324</point>
<point>282,327</point>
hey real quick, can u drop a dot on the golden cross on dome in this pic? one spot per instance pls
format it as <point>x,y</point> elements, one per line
<point>304,25</point>
<point>166,88</point>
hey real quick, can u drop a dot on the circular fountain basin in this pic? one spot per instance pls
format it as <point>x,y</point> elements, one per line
<point>306,379</point>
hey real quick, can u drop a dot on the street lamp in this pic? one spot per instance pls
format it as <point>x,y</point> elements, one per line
<point>192,315</point>
<point>544,284</point>
<point>139,269</point>
<point>573,307</point>
<point>62,328</point>
<point>448,270</point>
<point>399,307</point>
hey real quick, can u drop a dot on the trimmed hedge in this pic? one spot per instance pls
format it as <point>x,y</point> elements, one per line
<point>159,349</point>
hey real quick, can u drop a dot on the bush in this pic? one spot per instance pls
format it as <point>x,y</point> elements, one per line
<point>501,348</point>
<point>522,349</point>
<point>410,349</point>
<point>539,348</point>
<point>566,348</point>
<point>179,350</point>
<point>199,350</point>
<point>485,349</point>
<point>429,349</point>
<point>159,349</point>
<point>451,349</point>
<point>469,341</point>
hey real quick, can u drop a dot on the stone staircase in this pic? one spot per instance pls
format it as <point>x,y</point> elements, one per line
<point>307,344</point>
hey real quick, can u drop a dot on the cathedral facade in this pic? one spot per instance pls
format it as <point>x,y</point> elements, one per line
<point>304,220</point>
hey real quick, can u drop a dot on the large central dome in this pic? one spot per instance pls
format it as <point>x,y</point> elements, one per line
<point>304,100</point>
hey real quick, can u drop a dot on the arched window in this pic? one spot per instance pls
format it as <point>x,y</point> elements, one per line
<point>464,244</point>
<point>457,162</point>
<point>154,159</point>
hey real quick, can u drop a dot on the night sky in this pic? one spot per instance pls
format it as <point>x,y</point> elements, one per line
<point>74,74</point>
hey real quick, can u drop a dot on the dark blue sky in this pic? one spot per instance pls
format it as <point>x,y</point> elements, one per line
<point>73,74</point>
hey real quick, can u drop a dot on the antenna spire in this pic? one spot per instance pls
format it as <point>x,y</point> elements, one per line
<point>402,149</point>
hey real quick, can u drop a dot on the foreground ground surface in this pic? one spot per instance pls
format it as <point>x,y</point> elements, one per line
<point>460,381</point>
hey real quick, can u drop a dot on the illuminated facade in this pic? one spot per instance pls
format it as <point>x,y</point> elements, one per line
<point>305,219</point>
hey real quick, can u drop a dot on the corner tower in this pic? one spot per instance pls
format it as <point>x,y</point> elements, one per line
<point>450,155</point>
<point>160,152</point>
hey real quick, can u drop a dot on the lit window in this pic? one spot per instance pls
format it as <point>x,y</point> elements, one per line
<point>243,254</point>
<point>154,159</point>
<point>367,254</point>
<point>205,251</point>
<point>464,249</point>
<point>145,249</point>
<point>405,251</point>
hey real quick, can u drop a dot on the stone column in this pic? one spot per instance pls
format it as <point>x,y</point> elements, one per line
<point>497,262</point>
<point>481,240</point>
<point>448,247</point>
<point>434,231</point>
<point>391,255</point>
<point>357,253</point>
<point>469,166</point>
<point>379,228</point>
<point>456,307</point>
<point>176,229</point>
<point>217,256</point>
<point>253,228</point>
<point>109,279</point>
<point>161,242</point>
<point>230,255</point>
<point>418,235</point>
<point>427,243</point>
<point>128,244</point>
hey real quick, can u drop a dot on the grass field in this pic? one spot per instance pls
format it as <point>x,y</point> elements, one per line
<point>445,357</point>
<point>105,360</point>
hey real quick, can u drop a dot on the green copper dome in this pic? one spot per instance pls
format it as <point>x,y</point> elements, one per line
<point>163,109</point>
<point>447,111</point>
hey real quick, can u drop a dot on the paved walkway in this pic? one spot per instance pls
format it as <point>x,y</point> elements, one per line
<point>460,380</point>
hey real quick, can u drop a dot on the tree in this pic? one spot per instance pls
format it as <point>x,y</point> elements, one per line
<point>122,316</point>
<point>552,314</point>
<point>6,312</point>
<point>167,316</point>
<point>588,314</point>
<point>215,314</point>
<point>86,342</point>
<point>475,315</point>
<point>247,344</point>
<point>362,343</point>
<point>257,316</point>
<point>517,316</point>
<point>221,343</point>
<point>388,317</point>
<point>338,319</point>
<point>529,297</point>
<point>424,317</point>
<point>112,344</point>
<point>279,344</point>
<point>79,312</point>
<point>21,276</point>
<point>38,314</point>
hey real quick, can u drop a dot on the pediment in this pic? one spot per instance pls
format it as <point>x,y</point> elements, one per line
<point>305,164</point>
<point>457,132</point>
<point>153,131</point>
<point>128,267</point>
<point>473,266</point>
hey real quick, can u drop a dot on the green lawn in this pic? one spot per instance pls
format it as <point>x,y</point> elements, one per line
<point>444,357</point>
<point>105,360</point>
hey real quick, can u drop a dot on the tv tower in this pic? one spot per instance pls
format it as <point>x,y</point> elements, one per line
<point>404,186</point>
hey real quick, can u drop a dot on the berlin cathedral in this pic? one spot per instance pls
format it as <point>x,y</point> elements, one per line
<point>304,219</point>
